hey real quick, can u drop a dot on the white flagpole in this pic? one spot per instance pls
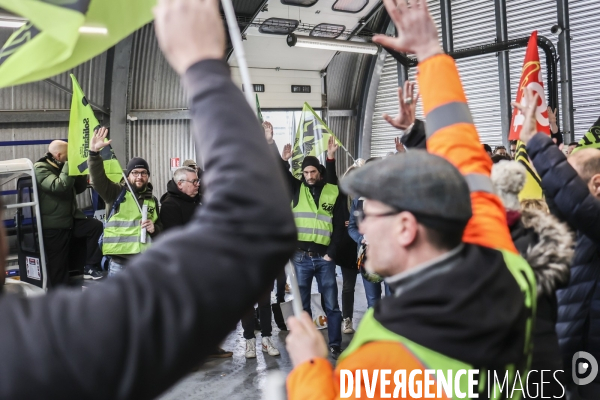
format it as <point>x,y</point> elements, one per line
<point>240,55</point>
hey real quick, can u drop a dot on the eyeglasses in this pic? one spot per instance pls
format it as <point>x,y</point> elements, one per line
<point>136,174</point>
<point>361,216</point>
<point>193,182</point>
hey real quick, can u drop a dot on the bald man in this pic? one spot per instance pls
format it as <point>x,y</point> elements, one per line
<point>572,189</point>
<point>61,219</point>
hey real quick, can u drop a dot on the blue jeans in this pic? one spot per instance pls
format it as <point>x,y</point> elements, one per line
<point>309,267</point>
<point>373,292</point>
<point>114,267</point>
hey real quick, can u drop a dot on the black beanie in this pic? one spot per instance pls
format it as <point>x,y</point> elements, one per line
<point>310,161</point>
<point>137,162</point>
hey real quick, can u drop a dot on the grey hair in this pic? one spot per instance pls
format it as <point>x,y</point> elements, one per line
<point>180,173</point>
<point>508,178</point>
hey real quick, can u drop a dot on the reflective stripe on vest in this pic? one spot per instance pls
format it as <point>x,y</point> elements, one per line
<point>315,224</point>
<point>447,115</point>
<point>479,183</point>
<point>122,231</point>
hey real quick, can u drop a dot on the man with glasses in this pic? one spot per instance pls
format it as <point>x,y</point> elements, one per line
<point>123,236</point>
<point>182,198</point>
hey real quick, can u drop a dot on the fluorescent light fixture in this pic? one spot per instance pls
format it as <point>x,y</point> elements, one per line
<point>331,44</point>
<point>16,23</point>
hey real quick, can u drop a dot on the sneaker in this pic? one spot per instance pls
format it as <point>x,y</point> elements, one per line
<point>347,326</point>
<point>267,345</point>
<point>92,273</point>
<point>220,353</point>
<point>335,352</point>
<point>251,348</point>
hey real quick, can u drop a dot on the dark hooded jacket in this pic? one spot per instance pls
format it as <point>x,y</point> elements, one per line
<point>547,245</point>
<point>569,198</point>
<point>176,207</point>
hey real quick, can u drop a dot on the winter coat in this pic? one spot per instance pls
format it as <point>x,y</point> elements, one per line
<point>137,334</point>
<point>57,193</point>
<point>569,198</point>
<point>176,207</point>
<point>547,245</point>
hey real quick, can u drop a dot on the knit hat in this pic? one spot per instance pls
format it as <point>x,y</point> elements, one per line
<point>136,162</point>
<point>310,161</point>
<point>508,178</point>
<point>424,184</point>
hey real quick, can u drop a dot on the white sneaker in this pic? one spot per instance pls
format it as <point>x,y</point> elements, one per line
<point>347,326</point>
<point>251,348</point>
<point>267,345</point>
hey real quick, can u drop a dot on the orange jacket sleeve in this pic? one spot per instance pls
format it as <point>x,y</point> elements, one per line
<point>451,134</point>
<point>317,380</point>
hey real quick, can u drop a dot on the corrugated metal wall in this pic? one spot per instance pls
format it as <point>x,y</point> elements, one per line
<point>344,75</point>
<point>157,142</point>
<point>154,85</point>
<point>585,61</point>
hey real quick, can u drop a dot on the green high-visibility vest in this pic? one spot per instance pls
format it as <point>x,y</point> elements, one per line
<point>122,231</point>
<point>371,330</point>
<point>315,224</point>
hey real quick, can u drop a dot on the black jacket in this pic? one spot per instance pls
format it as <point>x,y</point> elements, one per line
<point>139,332</point>
<point>176,207</point>
<point>578,326</point>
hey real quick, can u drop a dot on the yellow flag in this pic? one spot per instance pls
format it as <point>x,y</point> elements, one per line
<point>311,139</point>
<point>533,183</point>
<point>82,124</point>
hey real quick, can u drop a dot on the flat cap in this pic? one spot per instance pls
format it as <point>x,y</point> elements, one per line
<point>427,185</point>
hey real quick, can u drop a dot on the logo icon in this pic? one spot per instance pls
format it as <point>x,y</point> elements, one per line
<point>581,364</point>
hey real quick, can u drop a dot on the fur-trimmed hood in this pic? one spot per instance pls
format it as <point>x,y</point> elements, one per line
<point>547,245</point>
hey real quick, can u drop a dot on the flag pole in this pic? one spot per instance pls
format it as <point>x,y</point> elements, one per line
<point>240,55</point>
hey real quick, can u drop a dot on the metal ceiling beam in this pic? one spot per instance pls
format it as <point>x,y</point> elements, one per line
<point>503,71</point>
<point>566,78</point>
<point>446,14</point>
<point>149,115</point>
<point>341,113</point>
<point>118,100</point>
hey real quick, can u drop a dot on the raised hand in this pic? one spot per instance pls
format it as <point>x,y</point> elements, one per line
<point>399,146</point>
<point>407,101</point>
<point>416,30</point>
<point>552,119</point>
<point>332,147</point>
<point>268,131</point>
<point>529,128</point>
<point>286,154</point>
<point>189,32</point>
<point>97,142</point>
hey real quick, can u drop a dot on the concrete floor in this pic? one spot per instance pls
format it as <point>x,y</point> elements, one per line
<point>241,378</point>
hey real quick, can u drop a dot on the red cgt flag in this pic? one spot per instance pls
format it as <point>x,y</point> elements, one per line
<point>531,78</point>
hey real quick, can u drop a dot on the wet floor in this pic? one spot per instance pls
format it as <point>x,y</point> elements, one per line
<point>241,378</point>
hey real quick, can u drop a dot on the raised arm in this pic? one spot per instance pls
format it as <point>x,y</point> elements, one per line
<point>450,130</point>
<point>173,304</point>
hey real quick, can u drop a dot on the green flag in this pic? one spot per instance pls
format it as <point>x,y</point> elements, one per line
<point>260,117</point>
<point>591,139</point>
<point>61,34</point>
<point>82,124</point>
<point>311,139</point>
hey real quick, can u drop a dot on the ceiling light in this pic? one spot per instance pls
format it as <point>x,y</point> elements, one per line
<point>351,6</point>
<point>331,44</point>
<point>278,26</point>
<point>331,31</point>
<point>299,3</point>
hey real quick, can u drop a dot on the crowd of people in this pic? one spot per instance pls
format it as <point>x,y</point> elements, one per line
<point>473,278</point>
